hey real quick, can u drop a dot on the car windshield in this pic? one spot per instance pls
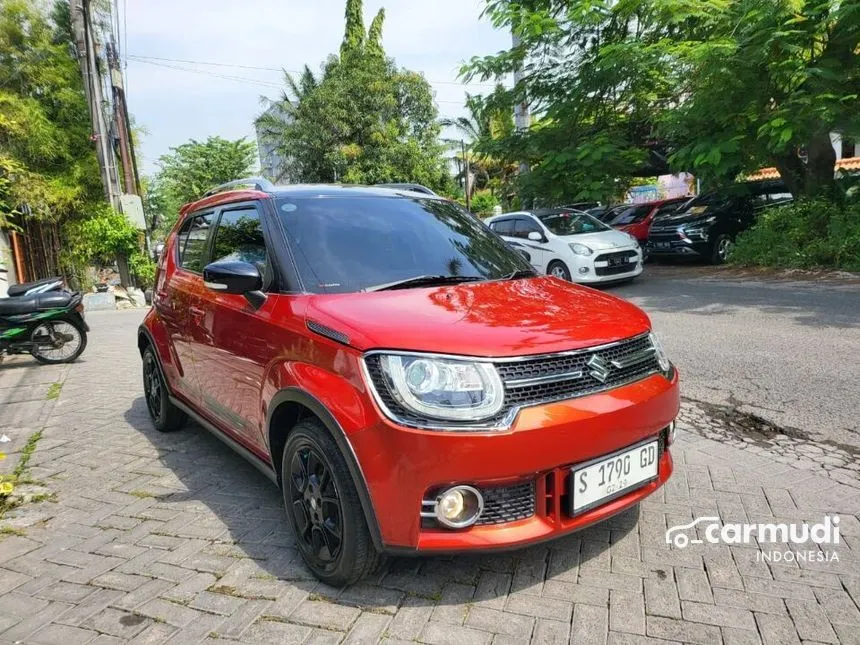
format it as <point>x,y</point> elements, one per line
<point>631,215</point>
<point>568,223</point>
<point>347,244</point>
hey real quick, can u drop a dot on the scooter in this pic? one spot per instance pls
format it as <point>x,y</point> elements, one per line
<point>50,326</point>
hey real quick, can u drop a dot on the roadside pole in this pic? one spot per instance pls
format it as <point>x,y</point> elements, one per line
<point>467,176</point>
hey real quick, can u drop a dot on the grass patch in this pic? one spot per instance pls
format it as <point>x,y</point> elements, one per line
<point>11,530</point>
<point>26,453</point>
<point>8,500</point>
<point>142,494</point>
<point>54,391</point>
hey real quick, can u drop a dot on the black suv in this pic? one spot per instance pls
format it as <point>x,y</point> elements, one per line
<point>707,225</point>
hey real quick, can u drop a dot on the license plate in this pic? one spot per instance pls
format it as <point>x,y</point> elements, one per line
<point>609,477</point>
<point>614,262</point>
<point>663,245</point>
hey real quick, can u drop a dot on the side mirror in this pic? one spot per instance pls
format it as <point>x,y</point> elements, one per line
<point>228,276</point>
<point>534,236</point>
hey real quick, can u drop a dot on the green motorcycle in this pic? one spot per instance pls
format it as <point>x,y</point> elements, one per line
<point>50,326</point>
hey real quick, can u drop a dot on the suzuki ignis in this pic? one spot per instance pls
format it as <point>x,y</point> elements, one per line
<point>402,374</point>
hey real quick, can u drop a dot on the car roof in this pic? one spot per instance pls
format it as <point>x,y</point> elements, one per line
<point>303,191</point>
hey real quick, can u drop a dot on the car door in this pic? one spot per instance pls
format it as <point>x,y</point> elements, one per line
<point>539,250</point>
<point>179,296</point>
<point>236,341</point>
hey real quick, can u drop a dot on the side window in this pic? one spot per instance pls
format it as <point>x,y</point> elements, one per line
<point>504,227</point>
<point>524,226</point>
<point>191,244</point>
<point>239,237</point>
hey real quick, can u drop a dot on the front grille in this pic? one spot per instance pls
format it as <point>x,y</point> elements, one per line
<point>560,376</point>
<point>619,262</point>
<point>501,505</point>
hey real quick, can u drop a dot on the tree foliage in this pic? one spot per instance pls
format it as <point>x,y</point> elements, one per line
<point>48,168</point>
<point>191,169</point>
<point>363,120</point>
<point>715,87</point>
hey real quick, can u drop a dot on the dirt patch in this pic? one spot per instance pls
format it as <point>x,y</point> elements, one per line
<point>728,272</point>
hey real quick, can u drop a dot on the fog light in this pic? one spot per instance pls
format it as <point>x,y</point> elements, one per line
<point>670,436</point>
<point>583,270</point>
<point>459,507</point>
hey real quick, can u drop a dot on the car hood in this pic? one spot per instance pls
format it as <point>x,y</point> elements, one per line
<point>601,241</point>
<point>496,318</point>
<point>694,214</point>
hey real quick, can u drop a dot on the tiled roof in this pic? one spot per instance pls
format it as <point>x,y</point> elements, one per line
<point>848,164</point>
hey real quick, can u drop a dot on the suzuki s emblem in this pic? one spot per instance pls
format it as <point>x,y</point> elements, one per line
<point>599,368</point>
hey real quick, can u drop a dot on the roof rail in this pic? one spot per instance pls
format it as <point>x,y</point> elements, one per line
<point>260,183</point>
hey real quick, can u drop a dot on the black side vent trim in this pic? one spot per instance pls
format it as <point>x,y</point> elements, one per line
<point>328,332</point>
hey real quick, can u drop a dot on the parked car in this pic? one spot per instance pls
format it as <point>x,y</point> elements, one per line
<point>636,219</point>
<point>572,245</point>
<point>707,226</point>
<point>606,213</point>
<point>402,374</point>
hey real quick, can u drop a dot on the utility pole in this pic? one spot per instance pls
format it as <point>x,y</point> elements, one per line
<point>521,109</point>
<point>85,49</point>
<point>121,122</point>
<point>467,176</point>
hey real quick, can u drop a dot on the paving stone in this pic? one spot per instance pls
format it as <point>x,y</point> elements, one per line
<point>776,630</point>
<point>444,634</point>
<point>735,636</point>
<point>661,598</point>
<point>65,634</point>
<point>116,622</point>
<point>168,612</point>
<point>369,628</point>
<point>677,630</point>
<point>810,621</point>
<point>266,631</point>
<point>497,622</point>
<point>325,614</point>
<point>235,625</point>
<point>694,585</point>
<point>718,615</point>
<point>539,607</point>
<point>626,612</point>
<point>410,619</point>
<point>590,625</point>
<point>550,632</point>
<point>66,591</point>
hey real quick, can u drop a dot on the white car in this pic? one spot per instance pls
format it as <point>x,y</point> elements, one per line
<point>571,245</point>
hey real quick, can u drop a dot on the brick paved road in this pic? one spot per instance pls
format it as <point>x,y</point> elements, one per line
<point>171,538</point>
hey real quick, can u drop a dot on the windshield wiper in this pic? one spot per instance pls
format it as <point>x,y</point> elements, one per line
<point>520,273</point>
<point>423,281</point>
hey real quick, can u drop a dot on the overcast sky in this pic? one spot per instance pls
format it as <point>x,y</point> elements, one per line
<point>429,36</point>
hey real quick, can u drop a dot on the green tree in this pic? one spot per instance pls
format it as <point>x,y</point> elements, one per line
<point>642,86</point>
<point>191,169</point>
<point>362,121</point>
<point>48,168</point>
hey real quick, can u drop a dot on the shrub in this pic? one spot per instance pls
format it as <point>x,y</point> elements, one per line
<point>483,202</point>
<point>805,234</point>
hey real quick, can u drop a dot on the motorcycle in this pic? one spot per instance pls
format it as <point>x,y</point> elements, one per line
<point>50,326</point>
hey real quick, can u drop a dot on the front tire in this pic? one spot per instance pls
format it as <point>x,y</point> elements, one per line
<point>72,346</point>
<point>721,249</point>
<point>323,507</point>
<point>165,416</point>
<point>558,269</point>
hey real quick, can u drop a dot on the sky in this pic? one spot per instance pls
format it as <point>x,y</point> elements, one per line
<point>174,105</point>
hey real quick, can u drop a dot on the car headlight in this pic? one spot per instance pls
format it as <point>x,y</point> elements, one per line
<point>580,249</point>
<point>443,389</point>
<point>660,353</point>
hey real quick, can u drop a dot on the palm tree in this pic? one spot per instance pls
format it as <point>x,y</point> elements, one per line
<point>480,127</point>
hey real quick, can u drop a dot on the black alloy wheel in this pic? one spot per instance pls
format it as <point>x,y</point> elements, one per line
<point>316,506</point>
<point>165,416</point>
<point>323,507</point>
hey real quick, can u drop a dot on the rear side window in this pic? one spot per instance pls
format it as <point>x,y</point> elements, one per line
<point>505,227</point>
<point>631,215</point>
<point>193,237</point>
<point>239,237</point>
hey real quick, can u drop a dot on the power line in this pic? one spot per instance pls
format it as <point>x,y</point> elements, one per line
<point>238,79</point>
<point>278,69</point>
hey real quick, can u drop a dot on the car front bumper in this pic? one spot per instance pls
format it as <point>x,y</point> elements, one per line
<point>403,465</point>
<point>676,246</point>
<point>599,268</point>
